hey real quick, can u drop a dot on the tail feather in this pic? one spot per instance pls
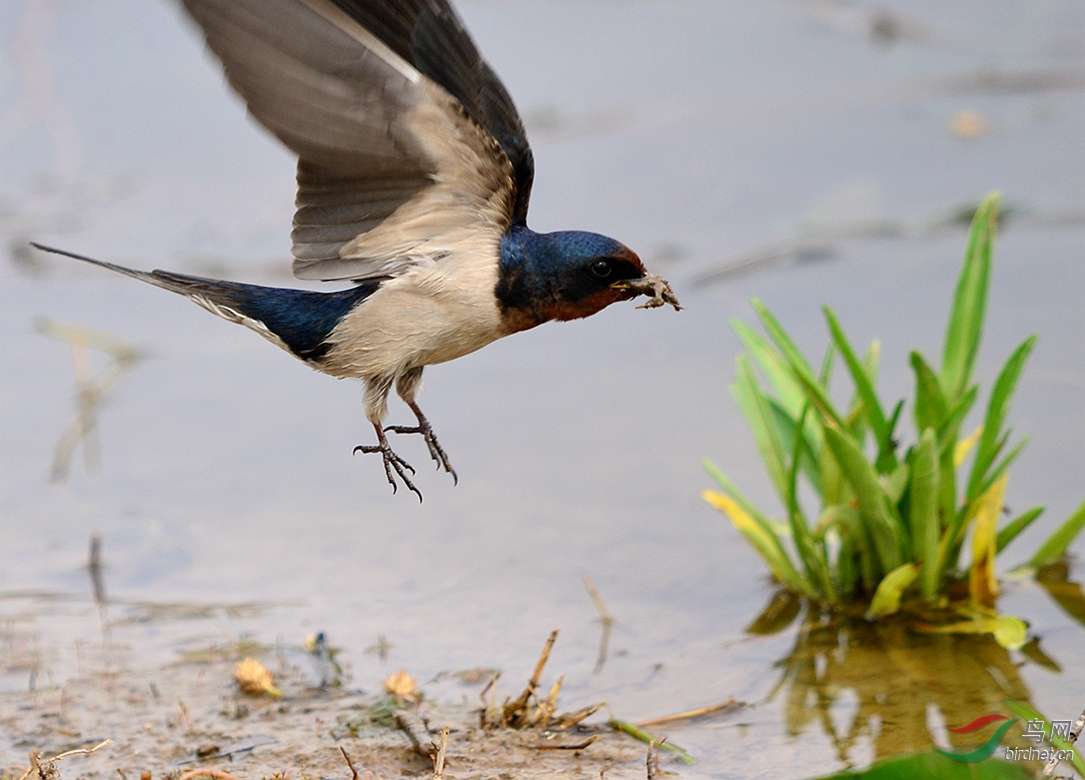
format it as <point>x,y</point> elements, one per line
<point>157,278</point>
<point>298,321</point>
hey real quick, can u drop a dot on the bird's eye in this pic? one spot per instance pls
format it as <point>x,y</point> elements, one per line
<point>601,269</point>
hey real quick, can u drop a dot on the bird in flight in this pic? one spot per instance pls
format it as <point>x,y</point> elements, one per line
<point>414,175</point>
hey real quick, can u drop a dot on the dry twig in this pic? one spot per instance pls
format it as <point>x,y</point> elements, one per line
<point>528,710</point>
<point>416,731</point>
<point>651,764</point>
<point>353,771</point>
<point>439,758</point>
<point>37,765</point>
<point>723,706</point>
<point>216,774</point>
<point>514,712</point>
<point>545,710</point>
<point>1075,732</point>
<point>570,719</point>
<point>577,746</point>
<point>489,686</point>
<point>483,712</point>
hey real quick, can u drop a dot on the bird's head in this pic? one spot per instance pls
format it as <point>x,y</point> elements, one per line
<point>569,275</point>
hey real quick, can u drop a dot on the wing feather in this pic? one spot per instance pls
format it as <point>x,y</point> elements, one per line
<point>407,142</point>
<point>430,35</point>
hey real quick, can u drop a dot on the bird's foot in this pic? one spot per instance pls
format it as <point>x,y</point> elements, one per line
<point>392,463</point>
<point>440,457</point>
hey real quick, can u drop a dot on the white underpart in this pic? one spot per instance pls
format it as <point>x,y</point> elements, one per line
<point>443,249</point>
<point>434,314</point>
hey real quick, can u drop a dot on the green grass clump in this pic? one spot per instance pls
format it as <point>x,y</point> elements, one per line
<point>891,523</point>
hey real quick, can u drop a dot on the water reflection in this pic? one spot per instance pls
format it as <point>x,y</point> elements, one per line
<point>1055,579</point>
<point>886,686</point>
<point>92,388</point>
<point>879,682</point>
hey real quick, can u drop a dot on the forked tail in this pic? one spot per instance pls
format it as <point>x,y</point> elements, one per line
<point>299,321</point>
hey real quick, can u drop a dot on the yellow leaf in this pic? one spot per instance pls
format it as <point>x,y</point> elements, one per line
<point>982,582</point>
<point>1008,631</point>
<point>728,506</point>
<point>254,679</point>
<point>965,446</point>
<point>760,539</point>
<point>886,599</point>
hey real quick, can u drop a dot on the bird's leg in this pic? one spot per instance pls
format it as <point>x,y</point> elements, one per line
<point>408,385</point>
<point>376,407</point>
<point>435,450</point>
<point>392,462</point>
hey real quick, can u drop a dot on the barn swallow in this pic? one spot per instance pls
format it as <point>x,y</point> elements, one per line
<point>414,175</point>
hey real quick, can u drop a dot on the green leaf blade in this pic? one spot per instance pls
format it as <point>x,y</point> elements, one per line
<point>755,406</point>
<point>886,531</point>
<point>800,368</point>
<point>863,385</point>
<point>926,532</point>
<point>993,439</point>
<point>1055,546</point>
<point>930,405</point>
<point>1010,531</point>
<point>970,302</point>
<point>788,391</point>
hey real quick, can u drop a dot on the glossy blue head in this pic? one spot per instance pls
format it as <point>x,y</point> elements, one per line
<point>561,276</point>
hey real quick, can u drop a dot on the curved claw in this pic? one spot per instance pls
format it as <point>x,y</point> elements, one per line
<point>440,457</point>
<point>392,462</point>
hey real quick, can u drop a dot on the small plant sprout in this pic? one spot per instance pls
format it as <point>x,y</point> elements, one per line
<point>892,522</point>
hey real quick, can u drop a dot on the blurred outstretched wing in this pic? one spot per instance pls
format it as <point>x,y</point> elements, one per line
<point>408,144</point>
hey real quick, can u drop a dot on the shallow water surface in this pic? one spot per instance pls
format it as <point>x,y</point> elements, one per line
<point>827,145</point>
